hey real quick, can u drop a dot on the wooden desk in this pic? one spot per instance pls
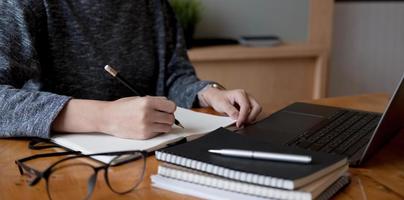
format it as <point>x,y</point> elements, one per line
<point>381,178</point>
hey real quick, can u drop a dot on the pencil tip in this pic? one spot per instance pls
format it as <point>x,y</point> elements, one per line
<point>178,124</point>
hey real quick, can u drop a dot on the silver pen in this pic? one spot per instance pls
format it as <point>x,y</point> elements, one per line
<point>262,155</point>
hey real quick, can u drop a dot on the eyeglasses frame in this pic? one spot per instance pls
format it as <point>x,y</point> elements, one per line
<point>45,174</point>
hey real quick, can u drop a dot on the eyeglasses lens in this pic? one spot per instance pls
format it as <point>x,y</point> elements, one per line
<point>126,172</point>
<point>71,180</point>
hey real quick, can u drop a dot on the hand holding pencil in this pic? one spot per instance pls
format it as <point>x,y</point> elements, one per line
<point>138,117</point>
<point>137,92</point>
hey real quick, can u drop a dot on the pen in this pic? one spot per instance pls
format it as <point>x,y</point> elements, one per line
<point>114,73</point>
<point>262,155</point>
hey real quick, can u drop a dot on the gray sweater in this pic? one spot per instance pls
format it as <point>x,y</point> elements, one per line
<point>55,50</point>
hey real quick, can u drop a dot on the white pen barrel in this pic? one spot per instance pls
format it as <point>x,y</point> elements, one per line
<point>262,155</point>
<point>281,157</point>
<point>237,153</point>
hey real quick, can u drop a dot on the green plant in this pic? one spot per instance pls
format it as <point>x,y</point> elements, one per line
<point>188,12</point>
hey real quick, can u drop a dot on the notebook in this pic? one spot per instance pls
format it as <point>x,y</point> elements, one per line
<point>284,175</point>
<point>196,124</point>
<point>307,192</point>
<point>205,192</point>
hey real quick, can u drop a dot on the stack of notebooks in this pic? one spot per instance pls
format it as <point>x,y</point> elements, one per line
<point>190,169</point>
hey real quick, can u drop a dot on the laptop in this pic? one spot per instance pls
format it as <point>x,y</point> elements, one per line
<point>353,133</point>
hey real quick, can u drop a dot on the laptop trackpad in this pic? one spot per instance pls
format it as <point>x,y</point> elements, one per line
<point>282,126</point>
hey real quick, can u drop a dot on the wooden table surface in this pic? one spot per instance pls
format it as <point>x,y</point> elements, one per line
<point>380,178</point>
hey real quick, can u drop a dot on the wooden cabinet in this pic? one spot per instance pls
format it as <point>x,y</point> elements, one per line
<point>276,76</point>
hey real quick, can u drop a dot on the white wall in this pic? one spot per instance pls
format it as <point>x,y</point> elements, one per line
<point>368,37</point>
<point>233,18</point>
<point>368,47</point>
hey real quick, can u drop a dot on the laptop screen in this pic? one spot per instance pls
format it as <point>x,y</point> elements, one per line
<point>390,124</point>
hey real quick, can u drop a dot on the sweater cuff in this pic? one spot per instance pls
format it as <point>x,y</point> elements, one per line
<point>42,125</point>
<point>201,85</point>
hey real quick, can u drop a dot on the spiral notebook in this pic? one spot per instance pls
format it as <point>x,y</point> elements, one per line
<point>206,192</point>
<point>307,192</point>
<point>284,175</point>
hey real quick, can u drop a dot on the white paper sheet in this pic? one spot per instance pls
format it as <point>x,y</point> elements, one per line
<point>195,124</point>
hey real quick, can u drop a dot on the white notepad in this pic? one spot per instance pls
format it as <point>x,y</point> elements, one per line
<point>196,124</point>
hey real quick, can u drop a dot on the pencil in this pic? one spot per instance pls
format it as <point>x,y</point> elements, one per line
<point>114,73</point>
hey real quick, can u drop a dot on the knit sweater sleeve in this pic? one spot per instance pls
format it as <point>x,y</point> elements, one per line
<point>182,82</point>
<point>25,111</point>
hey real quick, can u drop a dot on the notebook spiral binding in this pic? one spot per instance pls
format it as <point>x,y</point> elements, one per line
<point>225,172</point>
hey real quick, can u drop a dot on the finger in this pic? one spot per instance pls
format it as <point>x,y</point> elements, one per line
<point>160,128</point>
<point>158,97</point>
<point>163,104</point>
<point>162,117</point>
<point>255,110</point>
<point>244,104</point>
<point>230,110</point>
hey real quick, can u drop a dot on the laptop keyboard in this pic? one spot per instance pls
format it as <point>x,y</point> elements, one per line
<point>344,133</point>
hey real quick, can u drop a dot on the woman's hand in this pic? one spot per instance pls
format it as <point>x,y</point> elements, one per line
<point>139,117</point>
<point>237,104</point>
<point>131,117</point>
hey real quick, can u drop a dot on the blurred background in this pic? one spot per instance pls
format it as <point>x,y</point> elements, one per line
<point>363,40</point>
<point>235,18</point>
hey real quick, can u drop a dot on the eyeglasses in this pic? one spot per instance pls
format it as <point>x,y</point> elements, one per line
<point>71,178</point>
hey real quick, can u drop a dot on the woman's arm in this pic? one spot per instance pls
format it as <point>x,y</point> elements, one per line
<point>25,111</point>
<point>131,117</point>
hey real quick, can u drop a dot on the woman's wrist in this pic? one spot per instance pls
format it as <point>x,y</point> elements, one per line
<point>100,119</point>
<point>205,94</point>
<point>82,116</point>
<point>208,91</point>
